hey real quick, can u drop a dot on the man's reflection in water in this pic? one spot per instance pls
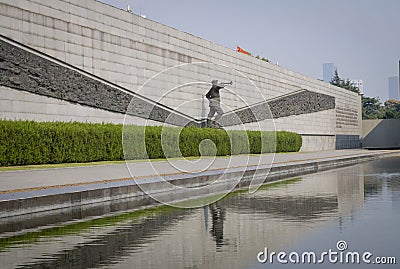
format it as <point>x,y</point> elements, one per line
<point>205,208</point>
<point>217,229</point>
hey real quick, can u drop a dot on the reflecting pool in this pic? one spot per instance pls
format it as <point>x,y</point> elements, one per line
<point>352,210</point>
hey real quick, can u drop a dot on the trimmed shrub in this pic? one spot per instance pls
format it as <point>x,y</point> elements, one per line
<point>28,142</point>
<point>288,142</point>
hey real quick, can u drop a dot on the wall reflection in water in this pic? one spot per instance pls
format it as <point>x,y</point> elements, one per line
<point>227,234</point>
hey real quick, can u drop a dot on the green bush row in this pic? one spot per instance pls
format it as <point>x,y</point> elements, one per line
<point>28,142</point>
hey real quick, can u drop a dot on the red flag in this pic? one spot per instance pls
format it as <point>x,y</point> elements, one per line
<point>239,49</point>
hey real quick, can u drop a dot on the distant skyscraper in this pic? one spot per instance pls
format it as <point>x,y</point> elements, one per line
<point>328,71</point>
<point>394,88</point>
<point>359,84</point>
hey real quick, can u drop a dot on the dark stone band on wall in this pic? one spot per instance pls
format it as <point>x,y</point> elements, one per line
<point>301,102</point>
<point>20,69</point>
<point>26,71</point>
<point>296,103</point>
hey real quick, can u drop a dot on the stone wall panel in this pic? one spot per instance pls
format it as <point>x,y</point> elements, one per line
<point>112,37</point>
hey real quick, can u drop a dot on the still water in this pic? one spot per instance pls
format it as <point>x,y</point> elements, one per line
<point>357,205</point>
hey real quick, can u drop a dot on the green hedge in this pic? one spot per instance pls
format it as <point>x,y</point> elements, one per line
<point>28,142</point>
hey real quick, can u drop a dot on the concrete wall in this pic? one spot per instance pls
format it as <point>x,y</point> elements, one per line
<point>381,133</point>
<point>20,105</point>
<point>129,50</point>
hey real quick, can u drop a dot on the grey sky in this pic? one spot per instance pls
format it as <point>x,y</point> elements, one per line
<point>360,36</point>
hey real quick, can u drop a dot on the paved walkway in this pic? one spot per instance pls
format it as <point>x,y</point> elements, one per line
<point>26,180</point>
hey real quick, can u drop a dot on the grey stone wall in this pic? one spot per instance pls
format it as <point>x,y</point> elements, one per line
<point>381,134</point>
<point>24,70</point>
<point>23,105</point>
<point>127,50</point>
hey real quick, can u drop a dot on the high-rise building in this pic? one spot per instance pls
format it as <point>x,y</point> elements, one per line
<point>359,84</point>
<point>328,71</point>
<point>394,88</point>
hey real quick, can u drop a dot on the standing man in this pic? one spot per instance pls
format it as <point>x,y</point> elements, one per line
<point>213,97</point>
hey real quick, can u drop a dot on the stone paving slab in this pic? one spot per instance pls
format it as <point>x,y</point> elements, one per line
<point>20,180</point>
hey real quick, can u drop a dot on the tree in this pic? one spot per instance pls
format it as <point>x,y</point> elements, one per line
<point>336,80</point>
<point>392,109</point>
<point>343,83</point>
<point>265,60</point>
<point>372,108</point>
